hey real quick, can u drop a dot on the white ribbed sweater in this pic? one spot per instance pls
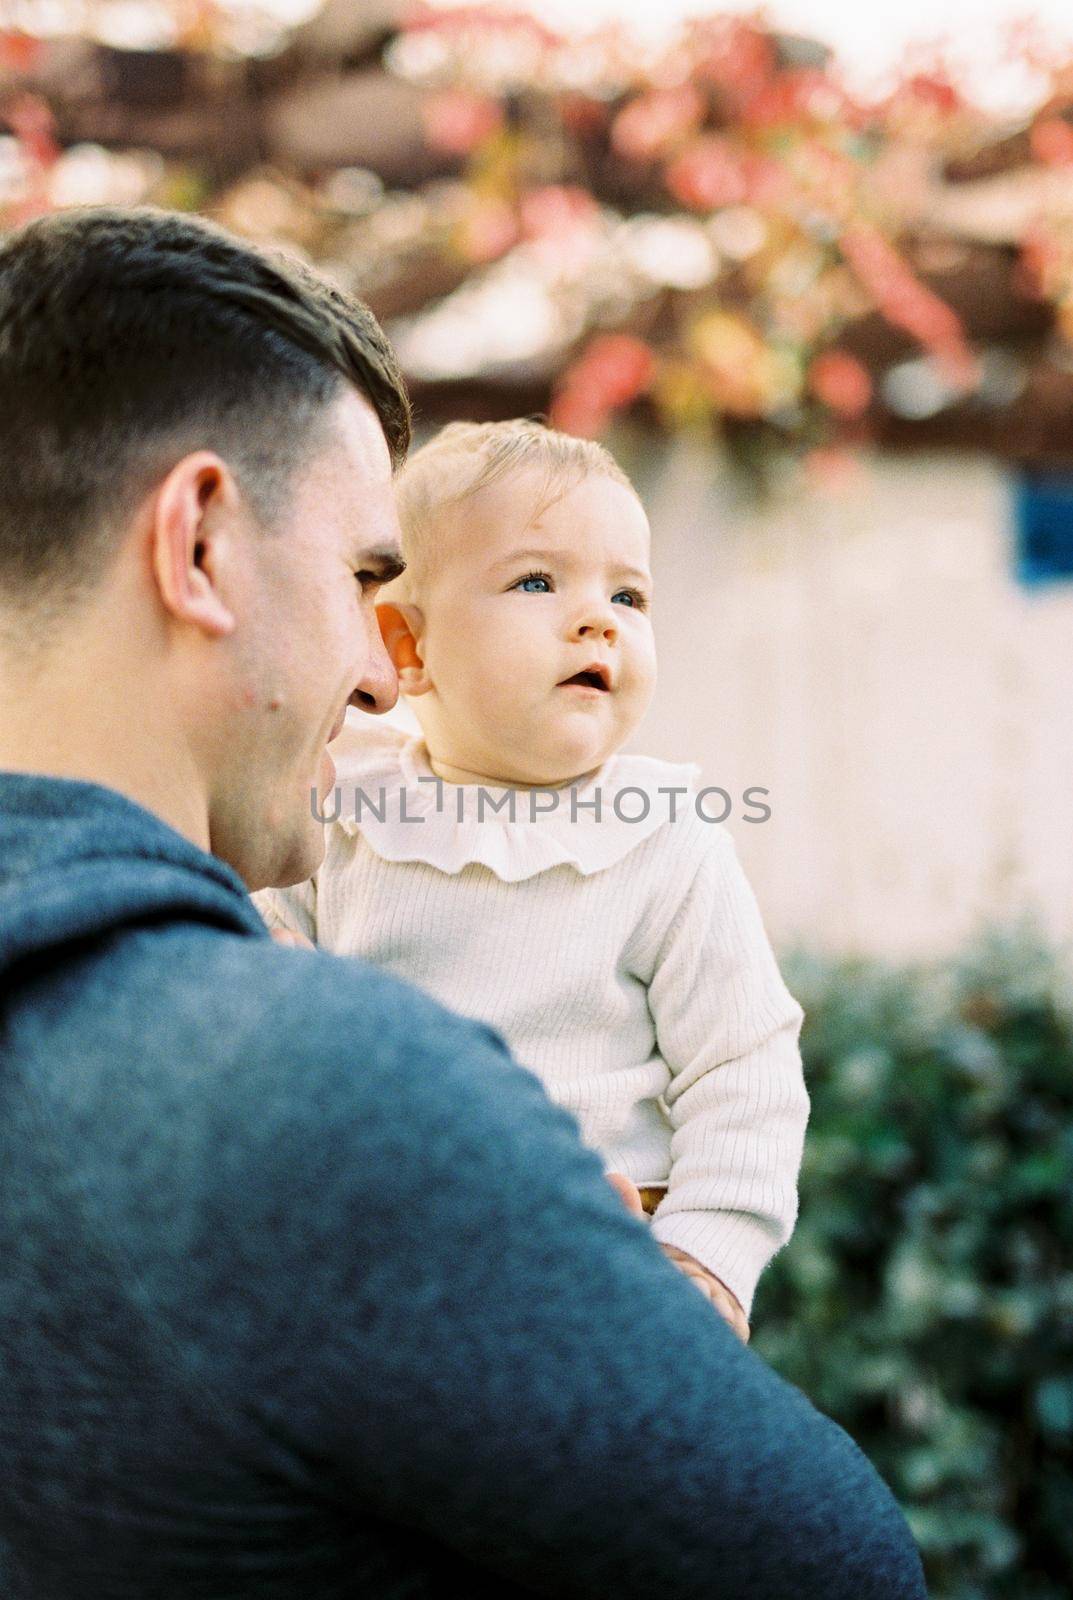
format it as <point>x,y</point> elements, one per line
<point>626,965</point>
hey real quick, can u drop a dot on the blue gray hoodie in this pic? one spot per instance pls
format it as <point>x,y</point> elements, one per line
<point>307,1290</point>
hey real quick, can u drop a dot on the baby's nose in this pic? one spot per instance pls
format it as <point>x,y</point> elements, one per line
<point>597,626</point>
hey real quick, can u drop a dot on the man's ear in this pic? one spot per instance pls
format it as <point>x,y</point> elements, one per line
<point>401,628</point>
<point>190,541</point>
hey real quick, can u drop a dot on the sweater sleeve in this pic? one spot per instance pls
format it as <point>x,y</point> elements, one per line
<point>496,1359</point>
<point>728,1029</point>
<point>293,909</point>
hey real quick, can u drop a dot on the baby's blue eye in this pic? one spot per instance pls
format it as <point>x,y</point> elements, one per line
<point>534,577</point>
<point>632,597</point>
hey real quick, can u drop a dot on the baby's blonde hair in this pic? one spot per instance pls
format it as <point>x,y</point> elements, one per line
<point>464,458</point>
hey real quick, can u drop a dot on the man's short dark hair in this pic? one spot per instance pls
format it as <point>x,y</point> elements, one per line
<point>128,339</point>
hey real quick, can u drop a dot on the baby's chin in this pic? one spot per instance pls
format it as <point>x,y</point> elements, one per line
<point>560,761</point>
<point>532,753</point>
<point>581,746</point>
<point>500,768</point>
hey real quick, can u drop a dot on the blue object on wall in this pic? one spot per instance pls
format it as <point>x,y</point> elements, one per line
<point>1043,512</point>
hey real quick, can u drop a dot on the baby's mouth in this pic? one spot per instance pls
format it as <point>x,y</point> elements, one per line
<point>595,677</point>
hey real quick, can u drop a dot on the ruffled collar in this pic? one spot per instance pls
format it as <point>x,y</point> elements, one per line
<point>386,791</point>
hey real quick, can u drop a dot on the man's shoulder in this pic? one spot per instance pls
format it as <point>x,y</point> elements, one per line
<point>327,1085</point>
<point>254,997</point>
<point>337,1038</point>
<point>307,1074</point>
<point>182,1015</point>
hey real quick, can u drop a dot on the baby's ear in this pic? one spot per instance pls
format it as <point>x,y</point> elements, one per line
<point>401,627</point>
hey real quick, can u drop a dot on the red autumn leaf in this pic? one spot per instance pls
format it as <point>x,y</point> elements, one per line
<point>655,122</point>
<point>457,120</point>
<point>906,302</point>
<point>19,51</point>
<point>768,183</point>
<point>841,383</point>
<point>611,371</point>
<point>1052,142</point>
<point>707,174</point>
<point>32,123</point>
<point>736,57</point>
<point>793,97</point>
<point>556,210</point>
<point>619,366</point>
<point>573,411</point>
<point>932,89</point>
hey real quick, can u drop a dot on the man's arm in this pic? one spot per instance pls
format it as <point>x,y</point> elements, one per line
<point>491,1352</point>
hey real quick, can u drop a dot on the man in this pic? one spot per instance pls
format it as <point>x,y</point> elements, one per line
<point>306,1289</point>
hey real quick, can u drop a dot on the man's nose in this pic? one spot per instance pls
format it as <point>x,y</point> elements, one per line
<point>377,689</point>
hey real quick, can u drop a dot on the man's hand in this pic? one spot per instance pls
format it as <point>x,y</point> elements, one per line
<point>722,1298</point>
<point>294,941</point>
<point>627,1192</point>
<point>724,1301</point>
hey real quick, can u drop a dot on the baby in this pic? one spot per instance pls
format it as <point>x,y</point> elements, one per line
<point>513,862</point>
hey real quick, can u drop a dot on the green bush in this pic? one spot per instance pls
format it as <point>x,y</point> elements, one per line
<point>926,1299</point>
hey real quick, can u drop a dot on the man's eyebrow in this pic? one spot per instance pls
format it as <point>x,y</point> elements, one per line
<point>385,564</point>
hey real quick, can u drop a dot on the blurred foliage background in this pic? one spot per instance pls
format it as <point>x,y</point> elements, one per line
<point>716,230</point>
<point>926,1299</point>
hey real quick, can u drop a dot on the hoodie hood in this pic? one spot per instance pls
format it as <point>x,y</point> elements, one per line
<point>78,860</point>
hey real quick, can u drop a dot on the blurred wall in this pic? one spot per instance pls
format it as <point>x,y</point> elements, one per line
<point>867,657</point>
